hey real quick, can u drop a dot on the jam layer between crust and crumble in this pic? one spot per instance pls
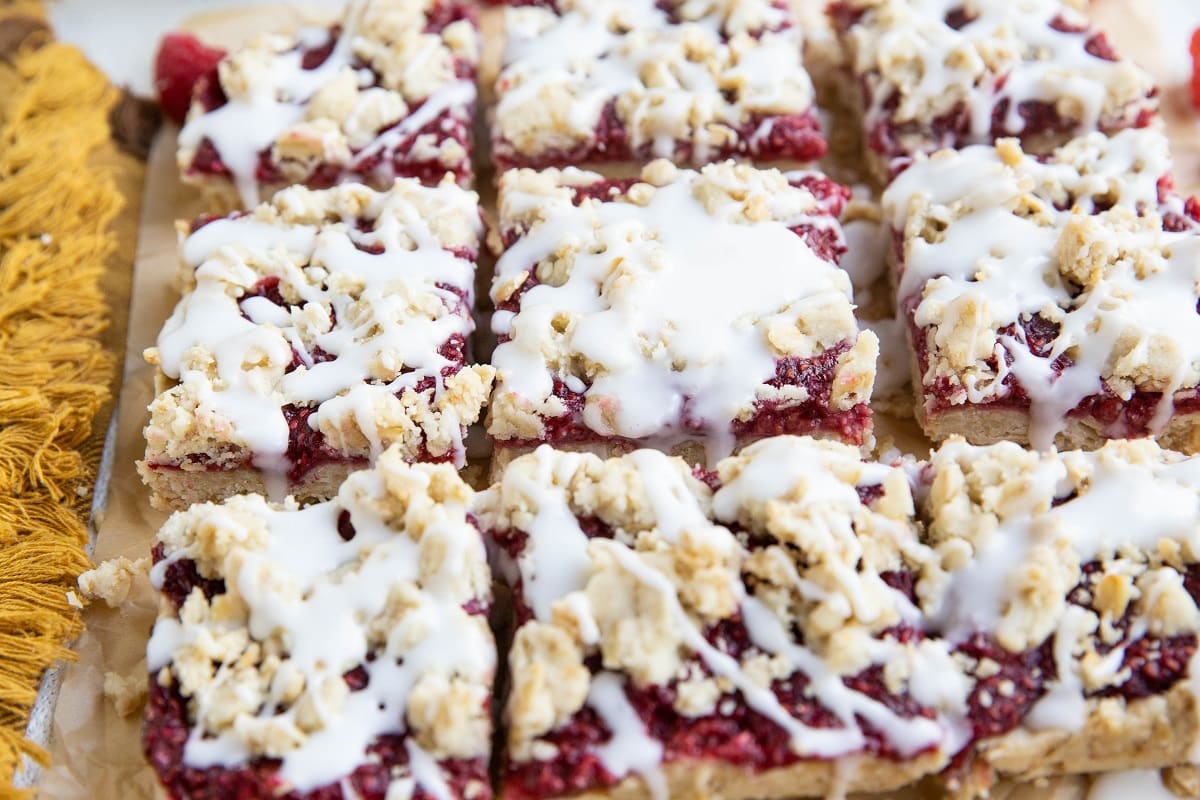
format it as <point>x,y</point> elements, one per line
<point>372,165</point>
<point>307,446</point>
<point>1000,696</point>
<point>788,137</point>
<point>1118,418</point>
<point>167,726</point>
<point>815,374</point>
<point>894,141</point>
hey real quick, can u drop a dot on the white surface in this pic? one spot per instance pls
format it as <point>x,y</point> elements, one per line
<point>1177,18</point>
<point>120,36</point>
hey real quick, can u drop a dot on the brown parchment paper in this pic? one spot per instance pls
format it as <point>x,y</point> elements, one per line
<point>97,753</point>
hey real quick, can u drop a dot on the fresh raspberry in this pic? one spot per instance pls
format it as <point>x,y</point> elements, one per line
<point>182,60</point>
<point>1195,51</point>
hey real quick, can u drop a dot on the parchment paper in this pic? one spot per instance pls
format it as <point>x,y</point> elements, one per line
<point>96,753</point>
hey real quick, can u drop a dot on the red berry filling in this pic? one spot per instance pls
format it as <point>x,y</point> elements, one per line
<point>1121,418</point>
<point>1194,51</point>
<point>791,137</point>
<point>734,734</point>
<point>182,576</point>
<point>182,62</point>
<point>1000,702</point>
<point>815,374</point>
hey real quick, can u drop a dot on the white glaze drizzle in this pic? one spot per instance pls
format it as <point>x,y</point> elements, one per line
<point>399,319</point>
<point>630,749</point>
<point>659,312</point>
<point>315,592</point>
<point>991,267</point>
<point>669,81</point>
<point>1006,51</point>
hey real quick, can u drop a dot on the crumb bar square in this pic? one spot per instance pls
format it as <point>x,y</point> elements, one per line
<point>388,92</point>
<point>1068,585</point>
<point>620,82</point>
<point>312,334</point>
<point>339,650</point>
<point>929,74</point>
<point>742,633</point>
<point>1050,299</point>
<point>680,310</point>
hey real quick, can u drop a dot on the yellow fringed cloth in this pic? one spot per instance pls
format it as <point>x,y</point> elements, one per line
<point>57,209</point>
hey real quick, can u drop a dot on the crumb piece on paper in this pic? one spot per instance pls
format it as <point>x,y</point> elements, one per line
<point>127,693</point>
<point>112,580</point>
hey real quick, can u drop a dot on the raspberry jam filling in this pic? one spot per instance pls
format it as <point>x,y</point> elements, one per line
<point>1121,418</point>
<point>770,418</point>
<point>790,137</point>
<point>165,734</point>
<point>1003,688</point>
<point>733,734</point>
<point>396,161</point>
<point>380,164</point>
<point>168,726</point>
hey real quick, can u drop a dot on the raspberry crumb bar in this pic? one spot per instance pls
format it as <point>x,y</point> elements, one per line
<point>1068,585</point>
<point>928,74</point>
<point>799,622</point>
<point>1051,300</point>
<point>597,82</point>
<point>338,651</point>
<point>683,309</point>
<point>312,334</point>
<point>389,92</point>
<point>749,641</point>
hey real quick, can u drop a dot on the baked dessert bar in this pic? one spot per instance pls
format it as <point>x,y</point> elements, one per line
<point>743,633</point>
<point>620,82</point>
<point>797,621</point>
<point>340,650</point>
<point>684,310</point>
<point>389,92</point>
<point>929,74</point>
<point>314,333</point>
<point>1050,300</point>
<point>1068,584</point>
